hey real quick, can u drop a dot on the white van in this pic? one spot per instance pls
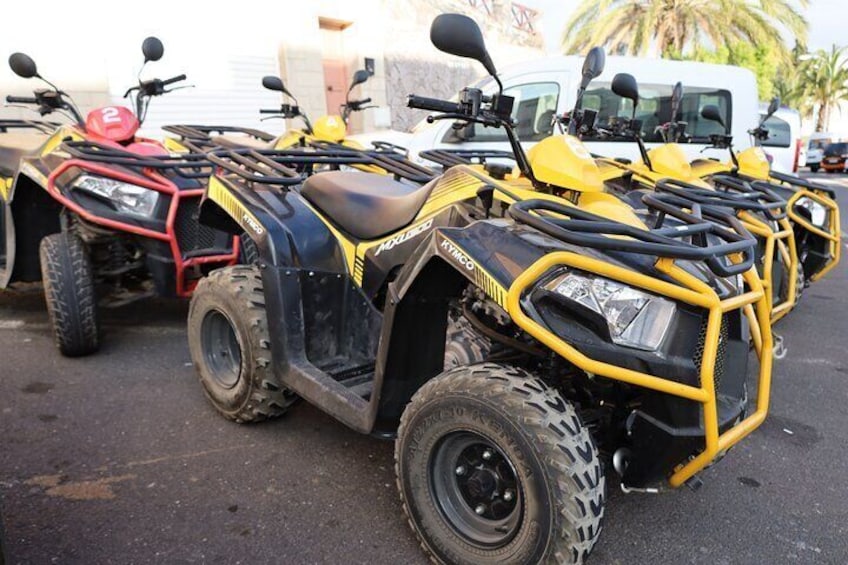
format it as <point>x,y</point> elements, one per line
<point>783,146</point>
<point>547,86</point>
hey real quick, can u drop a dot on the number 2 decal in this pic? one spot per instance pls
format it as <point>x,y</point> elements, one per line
<point>110,115</point>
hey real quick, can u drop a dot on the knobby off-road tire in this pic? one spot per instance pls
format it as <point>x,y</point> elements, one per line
<point>800,282</point>
<point>248,252</point>
<point>560,482</point>
<point>69,293</point>
<point>230,346</point>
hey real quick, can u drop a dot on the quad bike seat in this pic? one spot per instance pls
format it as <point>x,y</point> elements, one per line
<point>365,205</point>
<point>13,146</point>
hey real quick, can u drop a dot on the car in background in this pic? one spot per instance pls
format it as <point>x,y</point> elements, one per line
<point>835,156</point>
<point>783,145</point>
<point>815,148</point>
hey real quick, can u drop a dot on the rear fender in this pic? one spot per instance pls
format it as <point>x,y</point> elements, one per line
<point>286,230</point>
<point>29,214</point>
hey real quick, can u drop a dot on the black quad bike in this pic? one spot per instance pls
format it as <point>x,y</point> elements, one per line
<point>102,216</point>
<point>611,345</point>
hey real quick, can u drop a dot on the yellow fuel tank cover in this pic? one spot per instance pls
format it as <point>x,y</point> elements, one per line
<point>329,128</point>
<point>669,160</point>
<point>754,163</point>
<point>563,161</point>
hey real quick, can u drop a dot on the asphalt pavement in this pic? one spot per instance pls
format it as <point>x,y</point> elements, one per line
<point>118,458</point>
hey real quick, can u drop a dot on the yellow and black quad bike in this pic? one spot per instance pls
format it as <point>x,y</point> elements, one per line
<point>666,169</point>
<point>99,214</point>
<point>632,341</point>
<point>811,207</point>
<point>330,129</point>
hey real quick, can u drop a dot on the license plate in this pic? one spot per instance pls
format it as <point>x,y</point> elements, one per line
<point>832,160</point>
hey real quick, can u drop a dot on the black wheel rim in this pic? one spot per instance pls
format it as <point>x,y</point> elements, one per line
<point>475,486</point>
<point>221,349</point>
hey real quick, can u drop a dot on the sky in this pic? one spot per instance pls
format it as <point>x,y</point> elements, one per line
<point>826,18</point>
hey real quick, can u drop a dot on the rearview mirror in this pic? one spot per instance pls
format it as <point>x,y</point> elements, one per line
<point>273,83</point>
<point>676,99</point>
<point>712,113</point>
<point>152,49</point>
<point>23,65</point>
<point>593,65</point>
<point>624,85</point>
<point>359,77</point>
<point>459,35</point>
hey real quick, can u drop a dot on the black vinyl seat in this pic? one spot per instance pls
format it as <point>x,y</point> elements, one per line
<point>365,205</point>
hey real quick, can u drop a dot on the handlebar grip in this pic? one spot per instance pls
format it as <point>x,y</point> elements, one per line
<point>364,100</point>
<point>269,111</point>
<point>177,78</point>
<point>21,100</point>
<point>433,104</point>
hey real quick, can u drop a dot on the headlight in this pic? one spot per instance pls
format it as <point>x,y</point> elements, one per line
<point>818,213</point>
<point>635,318</point>
<point>126,197</point>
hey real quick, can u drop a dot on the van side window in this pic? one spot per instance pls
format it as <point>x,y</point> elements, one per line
<point>533,111</point>
<point>654,109</point>
<point>779,133</point>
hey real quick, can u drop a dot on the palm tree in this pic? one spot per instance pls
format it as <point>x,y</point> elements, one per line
<point>671,27</point>
<point>824,81</point>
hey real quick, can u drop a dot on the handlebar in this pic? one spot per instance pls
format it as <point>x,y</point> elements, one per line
<point>21,99</point>
<point>433,104</point>
<point>269,111</point>
<point>172,80</point>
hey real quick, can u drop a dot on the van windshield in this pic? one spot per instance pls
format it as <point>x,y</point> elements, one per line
<point>654,109</point>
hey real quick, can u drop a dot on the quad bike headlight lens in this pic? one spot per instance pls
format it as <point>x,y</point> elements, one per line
<point>126,197</point>
<point>818,213</point>
<point>635,318</point>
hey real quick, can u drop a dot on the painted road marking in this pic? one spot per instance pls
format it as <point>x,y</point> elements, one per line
<point>40,326</point>
<point>11,324</point>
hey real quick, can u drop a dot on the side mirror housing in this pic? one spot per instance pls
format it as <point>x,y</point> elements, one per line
<point>593,65</point>
<point>273,83</point>
<point>359,77</point>
<point>23,65</point>
<point>152,49</point>
<point>459,35</point>
<point>712,113</point>
<point>624,85</point>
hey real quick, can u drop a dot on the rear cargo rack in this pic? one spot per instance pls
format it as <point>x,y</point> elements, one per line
<point>798,181</point>
<point>288,167</point>
<point>199,132</point>
<point>187,165</point>
<point>688,241</point>
<point>450,157</point>
<point>42,126</point>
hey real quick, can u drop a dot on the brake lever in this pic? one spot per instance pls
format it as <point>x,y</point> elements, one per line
<point>272,118</point>
<point>178,88</point>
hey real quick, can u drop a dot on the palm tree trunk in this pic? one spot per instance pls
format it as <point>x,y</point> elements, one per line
<point>821,120</point>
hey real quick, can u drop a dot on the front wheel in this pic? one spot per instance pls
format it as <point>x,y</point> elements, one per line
<point>814,168</point>
<point>69,293</point>
<point>494,466</point>
<point>230,346</point>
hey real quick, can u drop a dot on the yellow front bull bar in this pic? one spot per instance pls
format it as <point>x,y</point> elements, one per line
<point>833,233</point>
<point>784,242</point>
<point>689,290</point>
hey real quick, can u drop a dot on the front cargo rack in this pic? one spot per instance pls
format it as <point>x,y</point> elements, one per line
<point>187,165</point>
<point>696,238</point>
<point>729,192</point>
<point>200,132</point>
<point>288,167</point>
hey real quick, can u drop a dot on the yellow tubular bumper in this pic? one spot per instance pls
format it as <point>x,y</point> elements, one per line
<point>783,242</point>
<point>832,235</point>
<point>689,290</point>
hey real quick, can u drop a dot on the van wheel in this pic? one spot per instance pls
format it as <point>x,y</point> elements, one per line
<point>814,168</point>
<point>69,293</point>
<point>231,349</point>
<point>494,466</point>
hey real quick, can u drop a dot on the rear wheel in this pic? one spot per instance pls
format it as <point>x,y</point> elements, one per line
<point>230,346</point>
<point>69,293</point>
<point>494,466</point>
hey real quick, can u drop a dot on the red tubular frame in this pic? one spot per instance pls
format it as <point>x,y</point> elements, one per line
<point>154,181</point>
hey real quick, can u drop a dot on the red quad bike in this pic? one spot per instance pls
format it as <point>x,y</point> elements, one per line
<point>102,216</point>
